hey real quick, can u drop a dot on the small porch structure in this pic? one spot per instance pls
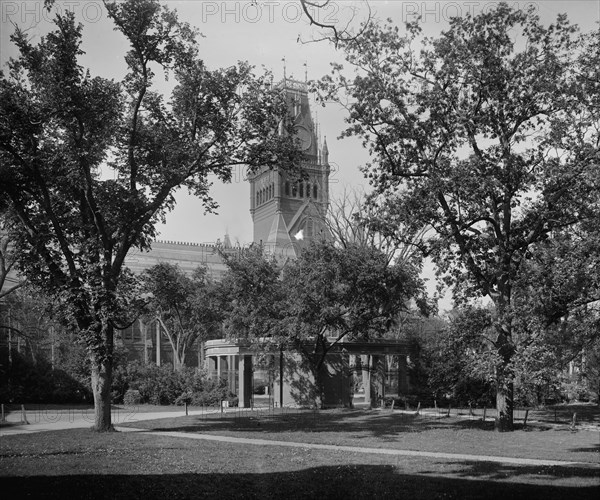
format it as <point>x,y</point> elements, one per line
<point>373,369</point>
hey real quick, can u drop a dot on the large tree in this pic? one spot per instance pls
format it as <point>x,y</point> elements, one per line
<point>89,165</point>
<point>486,135</point>
<point>335,294</point>
<point>251,295</point>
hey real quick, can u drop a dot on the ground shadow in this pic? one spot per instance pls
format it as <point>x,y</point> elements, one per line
<point>495,471</point>
<point>376,423</point>
<point>348,482</point>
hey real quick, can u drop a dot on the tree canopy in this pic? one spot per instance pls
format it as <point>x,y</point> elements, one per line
<point>185,306</point>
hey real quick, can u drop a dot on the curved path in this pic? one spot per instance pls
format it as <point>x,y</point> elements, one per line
<point>355,449</point>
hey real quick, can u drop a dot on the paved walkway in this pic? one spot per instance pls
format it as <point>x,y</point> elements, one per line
<point>54,420</point>
<point>378,451</point>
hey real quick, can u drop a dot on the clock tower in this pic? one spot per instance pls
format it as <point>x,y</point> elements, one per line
<point>288,213</point>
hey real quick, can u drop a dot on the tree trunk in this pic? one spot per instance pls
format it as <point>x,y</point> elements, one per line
<point>504,379</point>
<point>178,360</point>
<point>102,366</point>
<point>101,383</point>
<point>505,406</point>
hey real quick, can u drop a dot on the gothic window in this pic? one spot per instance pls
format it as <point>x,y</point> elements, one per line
<point>315,191</point>
<point>308,190</point>
<point>287,188</point>
<point>257,198</point>
<point>295,190</point>
<point>302,190</point>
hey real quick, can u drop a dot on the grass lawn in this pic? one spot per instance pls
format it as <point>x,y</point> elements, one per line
<point>79,463</point>
<point>384,429</point>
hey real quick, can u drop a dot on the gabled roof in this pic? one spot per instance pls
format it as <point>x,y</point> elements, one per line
<point>279,241</point>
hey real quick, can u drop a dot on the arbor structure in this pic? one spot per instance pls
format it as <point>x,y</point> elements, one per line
<point>89,165</point>
<point>488,137</point>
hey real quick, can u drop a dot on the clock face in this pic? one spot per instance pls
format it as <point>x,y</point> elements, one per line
<point>305,137</point>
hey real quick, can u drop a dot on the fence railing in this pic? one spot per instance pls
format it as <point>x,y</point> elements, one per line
<point>38,413</point>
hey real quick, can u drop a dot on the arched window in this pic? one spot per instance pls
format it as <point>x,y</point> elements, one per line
<point>257,198</point>
<point>287,188</point>
<point>302,190</point>
<point>308,190</point>
<point>295,190</point>
<point>315,191</point>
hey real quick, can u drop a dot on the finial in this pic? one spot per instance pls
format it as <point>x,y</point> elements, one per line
<point>284,72</point>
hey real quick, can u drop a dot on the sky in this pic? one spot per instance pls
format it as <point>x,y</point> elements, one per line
<point>264,33</point>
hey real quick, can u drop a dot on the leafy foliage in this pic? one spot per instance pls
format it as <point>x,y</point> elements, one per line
<point>23,381</point>
<point>344,293</point>
<point>252,295</point>
<point>185,306</point>
<point>161,385</point>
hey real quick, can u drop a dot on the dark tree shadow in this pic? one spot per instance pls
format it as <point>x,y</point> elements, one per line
<point>376,423</point>
<point>498,471</point>
<point>347,482</point>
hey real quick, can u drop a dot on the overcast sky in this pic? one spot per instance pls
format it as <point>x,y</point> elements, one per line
<point>262,33</point>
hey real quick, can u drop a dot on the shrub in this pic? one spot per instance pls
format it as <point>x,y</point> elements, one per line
<point>161,385</point>
<point>132,398</point>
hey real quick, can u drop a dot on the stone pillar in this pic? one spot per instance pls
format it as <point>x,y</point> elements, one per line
<point>245,381</point>
<point>144,330</point>
<point>352,367</point>
<point>403,383</point>
<point>158,345</point>
<point>375,380</point>
<point>366,377</point>
<point>231,373</point>
<point>218,368</point>
<point>211,366</point>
